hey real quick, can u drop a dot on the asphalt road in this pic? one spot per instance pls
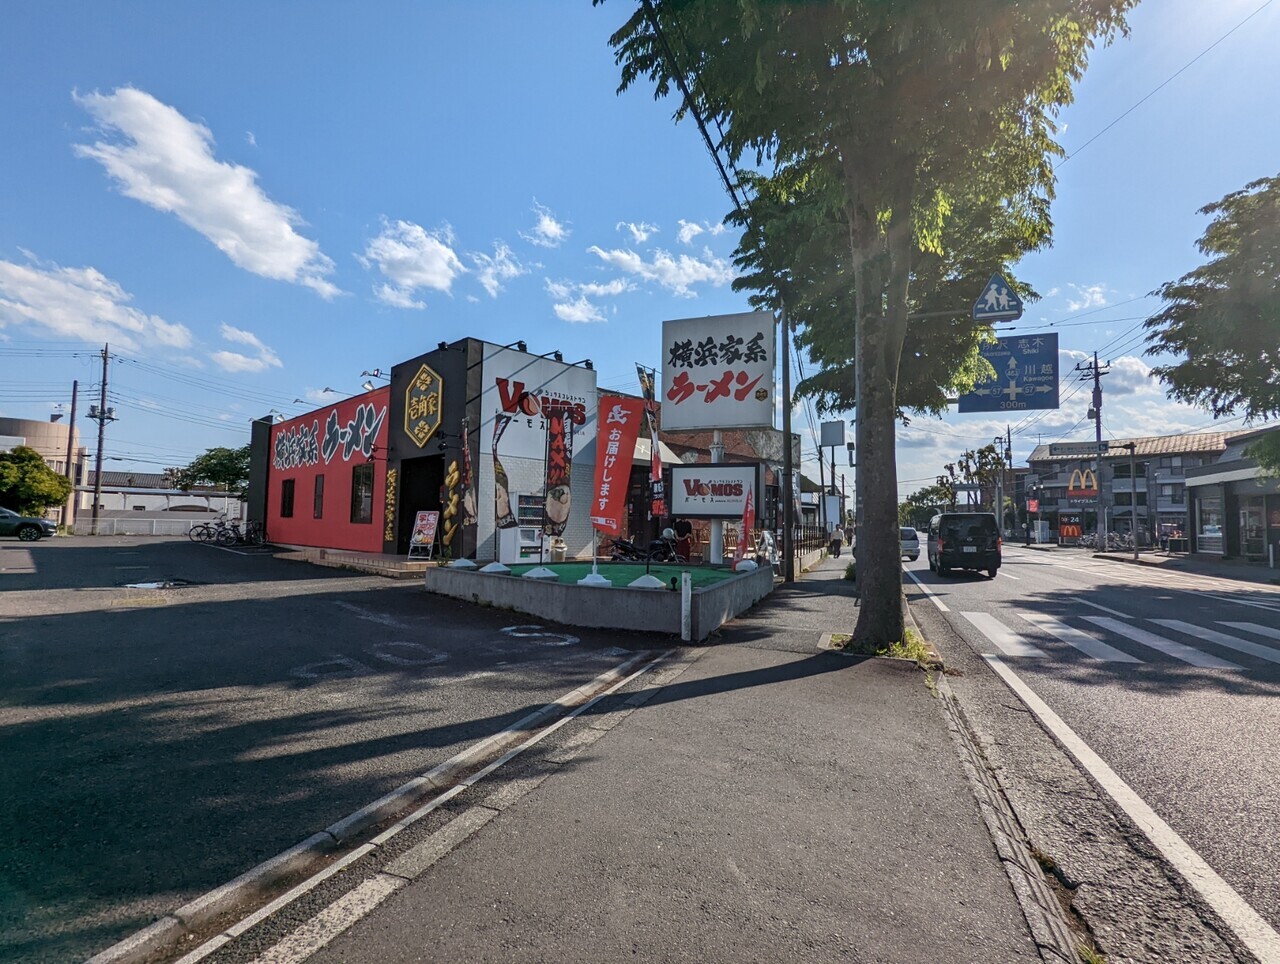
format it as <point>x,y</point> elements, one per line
<point>1171,678</point>
<point>155,743</point>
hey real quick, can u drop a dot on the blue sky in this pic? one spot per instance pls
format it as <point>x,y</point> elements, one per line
<point>254,202</point>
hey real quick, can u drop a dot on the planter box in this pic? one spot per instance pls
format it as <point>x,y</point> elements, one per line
<point>638,610</point>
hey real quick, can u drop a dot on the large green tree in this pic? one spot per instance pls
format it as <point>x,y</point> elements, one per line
<point>902,106</point>
<point>27,484</point>
<point>1223,318</point>
<point>218,467</point>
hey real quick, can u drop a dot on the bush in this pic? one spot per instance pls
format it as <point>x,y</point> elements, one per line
<point>851,573</point>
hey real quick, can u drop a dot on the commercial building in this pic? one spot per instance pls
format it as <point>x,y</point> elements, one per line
<point>50,440</point>
<point>1082,488</point>
<point>1234,505</point>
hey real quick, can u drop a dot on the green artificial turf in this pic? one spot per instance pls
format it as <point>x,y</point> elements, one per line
<point>620,574</point>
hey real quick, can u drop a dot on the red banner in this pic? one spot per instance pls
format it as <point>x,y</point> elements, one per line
<point>617,426</point>
<point>555,509</point>
<point>657,491</point>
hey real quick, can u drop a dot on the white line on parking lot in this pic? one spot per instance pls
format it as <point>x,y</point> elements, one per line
<point>1254,932</point>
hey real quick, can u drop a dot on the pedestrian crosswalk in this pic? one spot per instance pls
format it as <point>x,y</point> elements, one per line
<point>1121,638</point>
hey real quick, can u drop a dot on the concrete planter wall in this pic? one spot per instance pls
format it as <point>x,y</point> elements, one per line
<point>651,610</point>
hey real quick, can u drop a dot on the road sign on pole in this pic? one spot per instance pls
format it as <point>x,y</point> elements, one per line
<point>1078,449</point>
<point>1026,376</point>
<point>998,301</point>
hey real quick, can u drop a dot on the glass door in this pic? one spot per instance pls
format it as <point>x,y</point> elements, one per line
<point>1253,529</point>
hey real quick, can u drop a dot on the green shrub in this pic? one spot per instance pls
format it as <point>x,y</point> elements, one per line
<point>851,573</point>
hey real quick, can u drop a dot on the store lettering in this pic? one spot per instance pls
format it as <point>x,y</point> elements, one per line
<point>516,401</point>
<point>694,487</point>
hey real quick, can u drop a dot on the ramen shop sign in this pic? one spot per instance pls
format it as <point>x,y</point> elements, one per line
<point>713,491</point>
<point>718,372</point>
<point>422,404</point>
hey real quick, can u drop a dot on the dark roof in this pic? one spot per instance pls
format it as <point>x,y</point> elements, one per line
<point>140,480</point>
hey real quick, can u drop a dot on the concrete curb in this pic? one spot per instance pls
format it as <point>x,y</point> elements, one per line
<point>169,930</point>
<point>1054,938</point>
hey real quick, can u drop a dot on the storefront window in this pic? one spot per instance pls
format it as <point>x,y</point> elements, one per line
<point>286,499</point>
<point>362,493</point>
<point>317,504</point>
<point>1209,525</point>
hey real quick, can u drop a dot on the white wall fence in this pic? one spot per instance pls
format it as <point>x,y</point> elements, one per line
<point>137,527</point>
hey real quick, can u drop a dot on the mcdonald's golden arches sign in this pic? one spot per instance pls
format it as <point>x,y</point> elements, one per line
<point>1083,484</point>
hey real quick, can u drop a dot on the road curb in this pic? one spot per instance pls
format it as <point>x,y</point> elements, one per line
<point>1053,936</point>
<point>144,945</point>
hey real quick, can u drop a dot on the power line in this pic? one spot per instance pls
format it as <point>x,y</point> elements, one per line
<point>1163,84</point>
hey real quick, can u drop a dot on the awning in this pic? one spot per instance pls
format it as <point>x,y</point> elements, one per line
<point>1226,475</point>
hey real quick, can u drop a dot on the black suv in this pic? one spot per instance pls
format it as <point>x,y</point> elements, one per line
<point>964,540</point>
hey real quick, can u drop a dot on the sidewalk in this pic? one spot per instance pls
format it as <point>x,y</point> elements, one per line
<point>768,803</point>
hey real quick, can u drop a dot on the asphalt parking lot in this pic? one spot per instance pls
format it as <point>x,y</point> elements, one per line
<point>166,739</point>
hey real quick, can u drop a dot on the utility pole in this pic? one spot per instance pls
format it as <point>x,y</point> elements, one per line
<point>1133,498</point>
<point>102,415</point>
<point>788,468</point>
<point>822,489</point>
<point>1095,372</point>
<point>68,514</point>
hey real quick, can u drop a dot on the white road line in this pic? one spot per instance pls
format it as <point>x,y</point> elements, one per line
<point>1254,932</point>
<point>1001,637</point>
<point>1167,646</point>
<point>1239,602</point>
<point>311,936</point>
<point>1081,641</point>
<point>1221,639</point>
<point>929,592</point>
<point>332,921</point>
<point>1254,628</point>
<point>1104,609</point>
<point>1008,576</point>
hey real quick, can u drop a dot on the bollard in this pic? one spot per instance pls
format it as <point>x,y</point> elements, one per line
<point>686,606</point>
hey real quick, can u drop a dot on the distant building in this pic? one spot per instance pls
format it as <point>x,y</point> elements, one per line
<point>126,492</point>
<point>1161,464</point>
<point>50,440</point>
<point>1234,508</point>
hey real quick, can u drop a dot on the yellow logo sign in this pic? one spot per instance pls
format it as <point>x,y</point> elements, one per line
<point>423,400</point>
<point>1083,484</point>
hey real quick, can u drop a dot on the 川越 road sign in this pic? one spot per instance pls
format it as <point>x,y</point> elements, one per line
<point>1026,376</point>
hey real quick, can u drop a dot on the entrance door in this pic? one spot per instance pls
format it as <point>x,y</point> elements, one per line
<point>420,482</point>
<point>1253,529</point>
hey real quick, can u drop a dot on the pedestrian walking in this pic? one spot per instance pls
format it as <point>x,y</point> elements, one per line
<point>837,540</point>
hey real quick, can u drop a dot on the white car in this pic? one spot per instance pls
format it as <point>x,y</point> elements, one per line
<point>910,542</point>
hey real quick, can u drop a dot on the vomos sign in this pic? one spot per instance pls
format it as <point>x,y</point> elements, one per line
<point>713,491</point>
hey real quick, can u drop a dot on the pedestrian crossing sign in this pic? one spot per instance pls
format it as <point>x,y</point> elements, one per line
<point>998,301</point>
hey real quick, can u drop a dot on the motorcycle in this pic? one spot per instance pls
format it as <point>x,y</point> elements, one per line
<point>624,551</point>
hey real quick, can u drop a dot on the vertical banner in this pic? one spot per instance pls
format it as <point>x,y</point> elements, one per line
<point>748,523</point>
<point>657,489</point>
<point>618,424</point>
<point>557,504</point>
<point>468,479</point>
<point>504,518</point>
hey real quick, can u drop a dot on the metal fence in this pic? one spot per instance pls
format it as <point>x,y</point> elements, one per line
<point>136,527</point>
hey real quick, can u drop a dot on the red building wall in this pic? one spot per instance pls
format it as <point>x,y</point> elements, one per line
<point>329,442</point>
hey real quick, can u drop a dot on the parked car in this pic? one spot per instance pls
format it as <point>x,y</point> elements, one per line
<point>964,540</point>
<point>26,528</point>
<point>910,542</point>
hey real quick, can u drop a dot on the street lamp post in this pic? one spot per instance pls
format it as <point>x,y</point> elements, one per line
<point>1133,497</point>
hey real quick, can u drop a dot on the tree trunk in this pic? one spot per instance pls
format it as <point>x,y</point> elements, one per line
<point>879,341</point>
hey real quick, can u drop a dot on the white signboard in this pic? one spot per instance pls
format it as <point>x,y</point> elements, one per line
<point>832,433</point>
<point>718,372</point>
<point>523,386</point>
<point>713,491</point>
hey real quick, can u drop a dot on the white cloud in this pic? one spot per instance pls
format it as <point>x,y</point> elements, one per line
<point>571,300</point>
<point>1091,296</point>
<point>234,361</point>
<point>547,231</point>
<point>676,274</point>
<point>81,303</point>
<point>248,136</point>
<point>579,310</point>
<point>166,161</point>
<point>492,270</point>
<point>1130,375</point>
<point>412,259</point>
<point>688,231</point>
<point>640,233</point>
<point>317,395</point>
<point>691,229</point>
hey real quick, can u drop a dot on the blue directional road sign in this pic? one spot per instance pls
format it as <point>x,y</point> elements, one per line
<point>998,301</point>
<point>1026,376</point>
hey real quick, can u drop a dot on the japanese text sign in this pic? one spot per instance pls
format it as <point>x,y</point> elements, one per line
<point>718,372</point>
<point>714,491</point>
<point>425,524</point>
<point>618,424</point>
<point>1026,376</point>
